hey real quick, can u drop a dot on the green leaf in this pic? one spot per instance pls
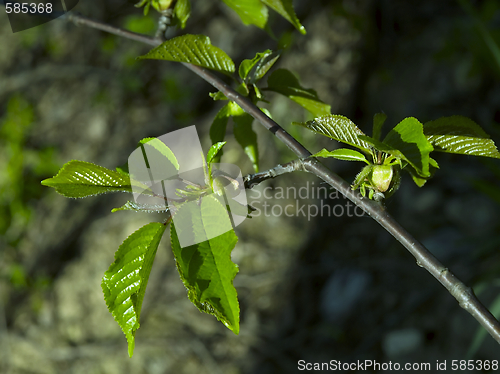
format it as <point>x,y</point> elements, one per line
<point>251,12</point>
<point>182,11</point>
<point>419,181</point>
<point>217,96</point>
<point>339,128</point>
<point>162,148</point>
<point>377,144</point>
<point>285,8</point>
<point>218,129</point>
<point>214,150</point>
<point>253,70</point>
<point>342,154</point>
<point>433,163</point>
<point>82,179</point>
<point>206,268</point>
<point>361,176</point>
<point>378,122</point>
<point>242,88</point>
<point>131,205</point>
<point>458,134</point>
<point>246,137</point>
<point>192,49</point>
<point>124,283</point>
<point>411,144</point>
<point>285,83</point>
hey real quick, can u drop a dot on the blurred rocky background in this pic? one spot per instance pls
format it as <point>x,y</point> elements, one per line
<point>332,287</point>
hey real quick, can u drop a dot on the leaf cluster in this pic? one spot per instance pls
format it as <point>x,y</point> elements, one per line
<point>407,146</point>
<point>251,12</point>
<point>205,268</point>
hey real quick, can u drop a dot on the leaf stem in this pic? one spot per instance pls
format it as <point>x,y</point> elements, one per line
<point>425,259</point>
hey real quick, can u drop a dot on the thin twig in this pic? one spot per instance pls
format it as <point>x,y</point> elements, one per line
<point>425,259</point>
<point>251,180</point>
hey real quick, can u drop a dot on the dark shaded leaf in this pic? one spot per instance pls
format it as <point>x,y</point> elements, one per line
<point>378,122</point>
<point>218,129</point>
<point>284,82</point>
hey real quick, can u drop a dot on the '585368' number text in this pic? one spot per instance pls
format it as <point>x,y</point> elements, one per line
<point>28,8</point>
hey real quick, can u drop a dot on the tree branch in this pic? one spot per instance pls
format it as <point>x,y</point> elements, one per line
<point>425,259</point>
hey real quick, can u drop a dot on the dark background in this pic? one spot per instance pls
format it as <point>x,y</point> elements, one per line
<point>329,288</point>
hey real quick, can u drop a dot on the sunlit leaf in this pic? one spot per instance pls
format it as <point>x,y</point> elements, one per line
<point>124,283</point>
<point>339,128</point>
<point>193,49</point>
<point>214,150</point>
<point>82,179</point>
<point>217,96</point>
<point>411,144</point>
<point>251,12</point>
<point>206,268</point>
<point>162,148</point>
<point>458,134</point>
<point>131,205</point>
<point>342,154</point>
<point>284,82</point>
<point>285,8</point>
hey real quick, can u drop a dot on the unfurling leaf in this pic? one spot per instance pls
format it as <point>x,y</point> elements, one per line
<point>214,150</point>
<point>342,154</point>
<point>457,134</point>
<point>339,128</point>
<point>192,49</point>
<point>82,179</point>
<point>253,70</point>
<point>124,283</point>
<point>284,82</point>
<point>206,268</point>
<point>182,11</point>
